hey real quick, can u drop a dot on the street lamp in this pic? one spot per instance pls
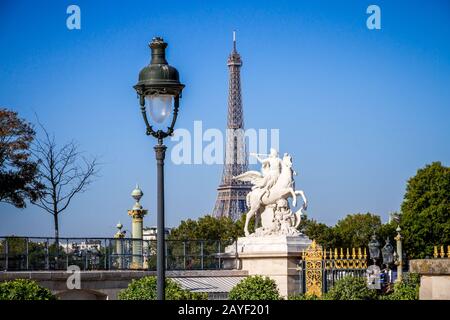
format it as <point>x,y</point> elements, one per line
<point>159,90</point>
<point>388,253</point>
<point>374,249</point>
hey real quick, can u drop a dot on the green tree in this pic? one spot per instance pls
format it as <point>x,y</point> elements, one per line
<point>351,288</point>
<point>407,289</point>
<point>24,289</point>
<point>145,289</point>
<point>206,228</point>
<point>355,230</point>
<point>19,179</point>
<point>255,288</point>
<point>323,234</point>
<point>425,219</point>
<point>387,230</point>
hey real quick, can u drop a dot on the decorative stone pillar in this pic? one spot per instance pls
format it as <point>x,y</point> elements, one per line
<point>137,214</point>
<point>399,261</point>
<point>119,244</point>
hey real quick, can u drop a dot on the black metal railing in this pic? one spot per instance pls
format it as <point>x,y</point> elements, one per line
<point>44,253</point>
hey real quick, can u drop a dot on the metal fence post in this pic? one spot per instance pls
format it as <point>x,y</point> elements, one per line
<point>165,253</point>
<point>27,253</point>
<point>85,256</point>
<point>47,262</point>
<point>6,254</point>
<point>236,254</point>
<point>67,254</point>
<point>105,256</point>
<point>184,255</point>
<point>220,254</point>
<point>201,255</point>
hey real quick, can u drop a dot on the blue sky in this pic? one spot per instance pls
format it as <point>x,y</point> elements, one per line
<point>360,110</point>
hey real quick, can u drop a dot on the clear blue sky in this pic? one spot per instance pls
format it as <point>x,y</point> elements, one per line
<point>360,110</point>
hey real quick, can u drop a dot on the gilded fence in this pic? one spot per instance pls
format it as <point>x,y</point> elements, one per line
<point>439,252</point>
<point>320,268</point>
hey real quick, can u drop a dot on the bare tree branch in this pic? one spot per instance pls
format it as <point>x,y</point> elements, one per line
<point>64,172</point>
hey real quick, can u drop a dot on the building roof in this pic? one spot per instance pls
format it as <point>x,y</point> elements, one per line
<point>208,284</point>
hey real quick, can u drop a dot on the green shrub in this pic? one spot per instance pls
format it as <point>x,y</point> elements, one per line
<point>145,289</point>
<point>351,288</point>
<point>302,296</point>
<point>23,289</point>
<point>407,289</point>
<point>255,288</point>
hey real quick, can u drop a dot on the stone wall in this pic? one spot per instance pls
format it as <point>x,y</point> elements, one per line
<point>434,278</point>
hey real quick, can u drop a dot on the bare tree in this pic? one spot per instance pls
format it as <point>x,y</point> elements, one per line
<point>64,172</point>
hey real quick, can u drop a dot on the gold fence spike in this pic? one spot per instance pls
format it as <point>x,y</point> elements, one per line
<point>435,255</point>
<point>342,253</point>
<point>348,255</point>
<point>336,253</point>
<point>331,254</point>
<point>442,252</point>
<point>359,253</point>
<point>365,254</point>
<point>353,253</point>
<point>448,251</point>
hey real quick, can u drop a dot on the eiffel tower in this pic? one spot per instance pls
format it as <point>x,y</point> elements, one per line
<point>231,193</point>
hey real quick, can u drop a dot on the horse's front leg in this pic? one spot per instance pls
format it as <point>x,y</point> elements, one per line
<point>294,197</point>
<point>305,201</point>
<point>250,214</point>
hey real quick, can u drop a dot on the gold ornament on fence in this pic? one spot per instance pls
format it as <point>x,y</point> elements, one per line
<point>318,259</point>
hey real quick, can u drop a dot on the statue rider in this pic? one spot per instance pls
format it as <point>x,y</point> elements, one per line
<point>271,168</point>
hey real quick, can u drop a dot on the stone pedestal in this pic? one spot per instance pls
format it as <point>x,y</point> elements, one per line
<point>434,278</point>
<point>273,256</point>
<point>137,227</point>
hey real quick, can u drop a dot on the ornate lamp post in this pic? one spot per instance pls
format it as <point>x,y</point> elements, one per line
<point>159,89</point>
<point>387,253</point>
<point>374,249</point>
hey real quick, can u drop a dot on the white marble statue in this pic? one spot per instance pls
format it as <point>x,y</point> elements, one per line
<point>268,200</point>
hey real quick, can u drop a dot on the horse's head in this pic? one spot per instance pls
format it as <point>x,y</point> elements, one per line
<point>287,160</point>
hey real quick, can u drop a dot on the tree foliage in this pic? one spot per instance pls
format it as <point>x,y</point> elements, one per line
<point>145,289</point>
<point>320,232</point>
<point>425,210</point>
<point>351,288</point>
<point>255,288</point>
<point>24,289</point>
<point>207,228</point>
<point>407,289</point>
<point>18,172</point>
<point>353,231</point>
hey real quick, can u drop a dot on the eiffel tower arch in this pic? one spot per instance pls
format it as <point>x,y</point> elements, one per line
<point>231,197</point>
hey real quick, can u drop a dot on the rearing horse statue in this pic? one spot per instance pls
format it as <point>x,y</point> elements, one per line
<point>284,188</point>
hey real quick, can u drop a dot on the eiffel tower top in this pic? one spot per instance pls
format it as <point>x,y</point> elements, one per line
<point>234,59</point>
